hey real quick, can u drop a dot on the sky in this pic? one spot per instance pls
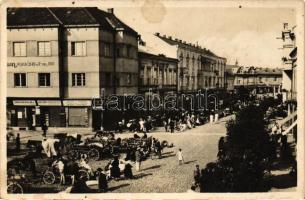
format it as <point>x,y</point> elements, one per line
<point>247,35</point>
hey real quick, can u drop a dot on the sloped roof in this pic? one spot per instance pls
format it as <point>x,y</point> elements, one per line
<point>155,45</point>
<point>67,16</point>
<point>30,16</point>
<point>74,16</point>
<point>268,71</point>
<point>178,42</point>
<point>100,16</point>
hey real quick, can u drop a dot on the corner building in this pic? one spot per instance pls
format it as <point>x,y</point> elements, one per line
<point>59,59</point>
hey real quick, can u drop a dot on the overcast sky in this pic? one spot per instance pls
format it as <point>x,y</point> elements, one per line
<point>244,34</point>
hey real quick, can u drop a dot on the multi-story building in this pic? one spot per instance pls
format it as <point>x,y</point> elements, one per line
<point>158,66</point>
<point>198,68</point>
<point>61,58</point>
<point>258,81</point>
<point>289,63</point>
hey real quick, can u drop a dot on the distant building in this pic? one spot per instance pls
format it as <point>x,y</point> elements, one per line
<point>158,66</point>
<point>289,63</point>
<point>61,58</point>
<point>258,81</point>
<point>229,78</point>
<point>198,68</point>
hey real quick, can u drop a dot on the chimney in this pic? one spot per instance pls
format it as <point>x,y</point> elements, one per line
<point>164,36</point>
<point>180,41</point>
<point>110,10</point>
<point>170,37</point>
<point>157,34</point>
<point>176,40</point>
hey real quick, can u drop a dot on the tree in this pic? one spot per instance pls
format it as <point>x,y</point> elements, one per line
<point>244,156</point>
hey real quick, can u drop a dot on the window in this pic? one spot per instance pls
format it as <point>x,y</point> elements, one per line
<point>106,49</point>
<point>129,52</point>
<point>44,48</point>
<point>275,79</point>
<point>78,48</point>
<point>19,48</point>
<point>20,80</point>
<point>43,79</point>
<point>78,79</point>
<point>108,80</point>
<point>118,52</point>
<point>260,79</point>
<point>128,79</point>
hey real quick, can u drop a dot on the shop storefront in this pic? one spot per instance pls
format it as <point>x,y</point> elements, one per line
<point>79,113</point>
<point>31,114</point>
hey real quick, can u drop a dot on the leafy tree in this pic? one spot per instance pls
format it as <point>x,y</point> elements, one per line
<point>244,155</point>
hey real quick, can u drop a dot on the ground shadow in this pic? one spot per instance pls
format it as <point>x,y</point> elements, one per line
<point>118,186</point>
<point>152,167</point>
<point>191,161</point>
<point>167,156</point>
<point>141,175</point>
<point>284,181</point>
<point>169,152</point>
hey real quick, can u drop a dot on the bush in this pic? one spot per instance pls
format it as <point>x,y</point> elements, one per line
<point>244,155</point>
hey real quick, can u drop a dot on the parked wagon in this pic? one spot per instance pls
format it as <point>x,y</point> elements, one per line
<point>51,175</point>
<point>17,183</point>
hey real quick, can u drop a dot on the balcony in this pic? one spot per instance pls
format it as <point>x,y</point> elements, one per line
<point>201,72</point>
<point>184,70</point>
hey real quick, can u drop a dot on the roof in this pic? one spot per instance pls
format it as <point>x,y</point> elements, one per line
<point>67,16</point>
<point>100,16</point>
<point>156,46</point>
<point>171,41</point>
<point>74,16</point>
<point>30,16</point>
<point>118,24</point>
<point>266,71</point>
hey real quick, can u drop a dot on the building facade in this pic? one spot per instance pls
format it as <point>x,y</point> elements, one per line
<point>158,67</point>
<point>258,81</point>
<point>289,61</point>
<point>59,59</point>
<point>198,68</point>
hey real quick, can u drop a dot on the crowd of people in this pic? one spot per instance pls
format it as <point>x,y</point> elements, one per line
<point>176,121</point>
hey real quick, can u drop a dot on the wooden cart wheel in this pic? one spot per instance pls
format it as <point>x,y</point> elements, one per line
<point>73,154</point>
<point>14,188</point>
<point>82,173</point>
<point>94,154</point>
<point>48,177</point>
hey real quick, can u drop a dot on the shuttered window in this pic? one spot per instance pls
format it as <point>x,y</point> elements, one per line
<point>19,48</point>
<point>44,48</point>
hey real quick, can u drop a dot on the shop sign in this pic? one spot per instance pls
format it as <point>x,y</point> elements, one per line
<point>49,102</point>
<point>24,102</point>
<point>77,102</point>
<point>30,64</point>
<point>37,110</point>
<point>19,115</point>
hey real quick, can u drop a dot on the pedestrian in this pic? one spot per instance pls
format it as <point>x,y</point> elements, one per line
<point>138,159</point>
<point>60,166</point>
<point>197,175</point>
<point>128,170</point>
<point>158,149</point>
<point>180,157</point>
<point>165,125</point>
<point>44,128</point>
<point>102,180</point>
<point>172,125</point>
<point>18,143</point>
<point>115,170</point>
